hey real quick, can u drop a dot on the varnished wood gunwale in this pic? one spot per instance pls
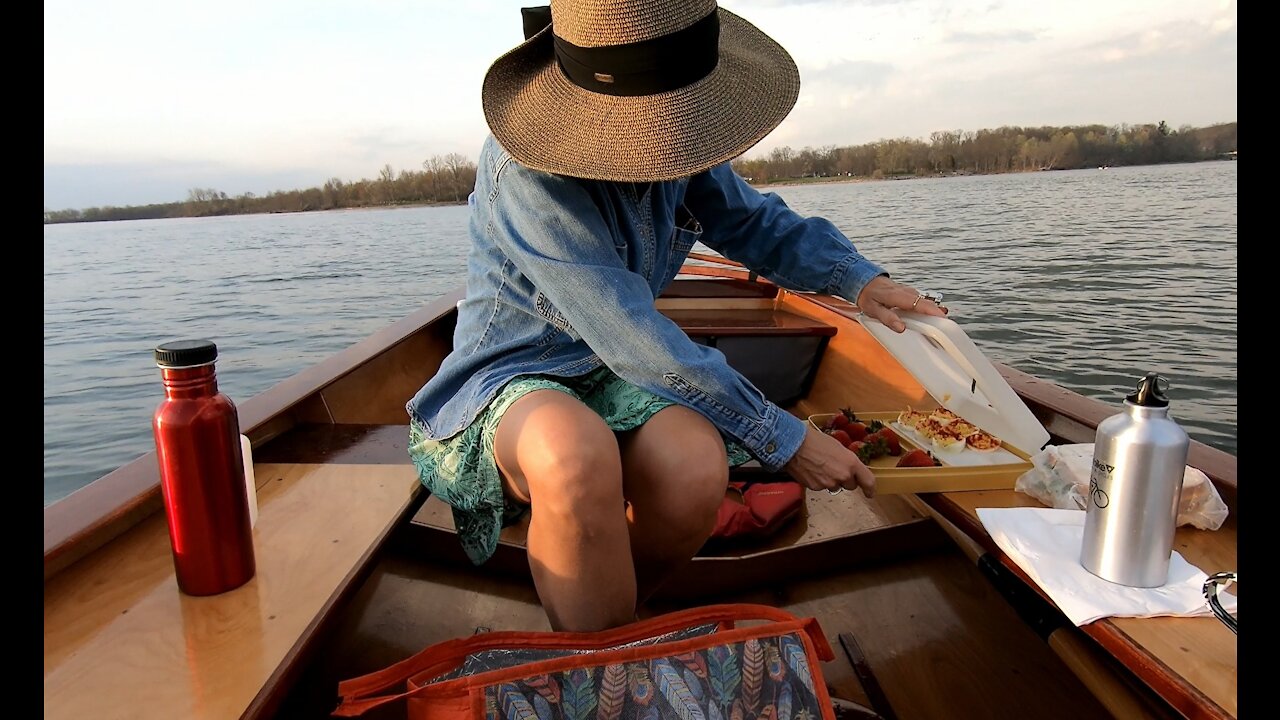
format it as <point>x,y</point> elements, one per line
<point>88,518</point>
<point>1075,418</point>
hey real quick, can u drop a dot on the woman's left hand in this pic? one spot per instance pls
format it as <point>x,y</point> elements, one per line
<point>881,297</point>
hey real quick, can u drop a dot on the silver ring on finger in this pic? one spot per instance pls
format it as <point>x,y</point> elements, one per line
<point>931,295</point>
<point>837,491</point>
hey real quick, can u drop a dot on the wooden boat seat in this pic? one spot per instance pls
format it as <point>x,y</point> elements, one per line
<point>777,350</point>
<point>834,532</point>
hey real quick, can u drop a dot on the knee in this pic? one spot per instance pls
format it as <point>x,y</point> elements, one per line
<point>697,477</point>
<point>708,477</point>
<point>576,476</point>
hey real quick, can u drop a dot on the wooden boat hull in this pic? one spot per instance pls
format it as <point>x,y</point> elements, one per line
<point>358,568</point>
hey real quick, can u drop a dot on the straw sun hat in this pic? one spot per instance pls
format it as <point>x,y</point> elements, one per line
<point>637,90</point>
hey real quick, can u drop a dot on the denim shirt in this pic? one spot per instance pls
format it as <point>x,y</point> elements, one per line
<point>562,274</point>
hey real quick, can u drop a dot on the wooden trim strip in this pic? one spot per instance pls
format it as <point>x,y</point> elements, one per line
<point>750,331</point>
<point>718,272</point>
<point>717,259</point>
<point>862,669</point>
<point>717,283</point>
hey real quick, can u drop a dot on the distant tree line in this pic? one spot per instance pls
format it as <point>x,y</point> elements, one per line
<point>1002,150</point>
<point>443,179</point>
<point>450,178</point>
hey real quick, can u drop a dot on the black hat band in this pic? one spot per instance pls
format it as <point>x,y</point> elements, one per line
<point>657,65</point>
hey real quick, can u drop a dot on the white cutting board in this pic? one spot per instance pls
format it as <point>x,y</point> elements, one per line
<point>942,358</point>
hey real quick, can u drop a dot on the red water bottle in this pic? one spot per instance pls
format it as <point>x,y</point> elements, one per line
<point>197,432</point>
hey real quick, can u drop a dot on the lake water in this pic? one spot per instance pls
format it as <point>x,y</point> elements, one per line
<point>1087,278</point>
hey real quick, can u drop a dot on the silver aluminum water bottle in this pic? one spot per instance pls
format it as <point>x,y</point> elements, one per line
<point>1139,458</point>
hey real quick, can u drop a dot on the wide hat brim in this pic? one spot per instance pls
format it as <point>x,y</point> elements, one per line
<point>547,123</point>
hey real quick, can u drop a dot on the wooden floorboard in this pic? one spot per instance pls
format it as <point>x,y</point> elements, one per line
<point>934,622</point>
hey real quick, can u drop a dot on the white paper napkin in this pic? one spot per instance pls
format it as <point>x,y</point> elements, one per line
<point>1045,543</point>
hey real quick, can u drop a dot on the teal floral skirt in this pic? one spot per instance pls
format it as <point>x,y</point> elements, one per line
<point>463,472</point>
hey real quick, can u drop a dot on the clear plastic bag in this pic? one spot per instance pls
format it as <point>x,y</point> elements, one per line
<point>1059,478</point>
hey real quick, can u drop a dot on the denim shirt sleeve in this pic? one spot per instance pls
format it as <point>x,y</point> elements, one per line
<point>805,254</point>
<point>552,230</point>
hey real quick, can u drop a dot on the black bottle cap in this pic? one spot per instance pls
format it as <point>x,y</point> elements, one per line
<point>186,353</point>
<point>1150,391</point>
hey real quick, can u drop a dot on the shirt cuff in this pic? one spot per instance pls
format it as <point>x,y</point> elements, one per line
<point>853,275</point>
<point>782,444</point>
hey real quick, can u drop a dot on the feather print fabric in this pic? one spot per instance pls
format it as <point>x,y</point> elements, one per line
<point>758,679</point>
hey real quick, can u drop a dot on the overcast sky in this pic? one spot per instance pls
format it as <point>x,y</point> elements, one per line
<point>145,100</point>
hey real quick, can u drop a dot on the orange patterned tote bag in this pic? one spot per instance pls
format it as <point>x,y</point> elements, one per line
<point>719,662</point>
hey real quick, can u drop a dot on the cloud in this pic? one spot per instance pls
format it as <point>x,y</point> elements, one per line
<point>853,75</point>
<point>987,39</point>
<point>1179,71</point>
<point>174,98</point>
<point>1174,38</point>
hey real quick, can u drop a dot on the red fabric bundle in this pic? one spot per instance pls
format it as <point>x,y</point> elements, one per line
<point>764,508</point>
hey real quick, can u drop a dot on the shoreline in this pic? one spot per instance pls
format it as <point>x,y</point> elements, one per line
<point>825,181</point>
<point>789,182</point>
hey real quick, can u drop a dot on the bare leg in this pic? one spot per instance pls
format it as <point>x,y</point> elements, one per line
<point>675,474</point>
<point>559,456</point>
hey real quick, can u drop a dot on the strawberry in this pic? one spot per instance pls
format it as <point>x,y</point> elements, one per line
<point>876,447</point>
<point>891,440</point>
<point>867,451</point>
<point>918,458</point>
<point>857,430</point>
<point>842,436</point>
<point>840,421</point>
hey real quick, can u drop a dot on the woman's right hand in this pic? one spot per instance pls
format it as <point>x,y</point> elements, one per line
<point>822,463</point>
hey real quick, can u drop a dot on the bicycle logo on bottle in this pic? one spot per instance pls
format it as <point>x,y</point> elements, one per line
<point>1096,493</point>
